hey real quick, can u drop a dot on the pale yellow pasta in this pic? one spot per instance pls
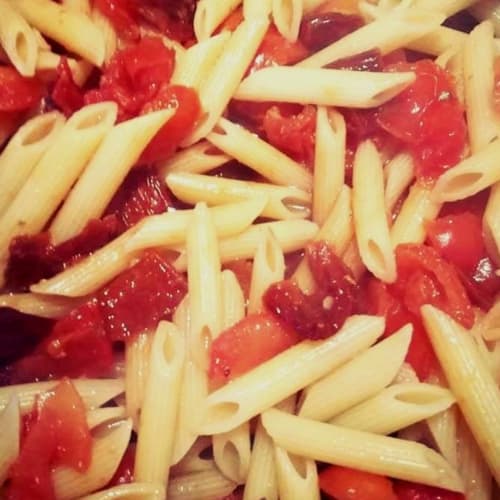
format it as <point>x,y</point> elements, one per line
<point>329,159</point>
<point>129,491</point>
<point>490,324</point>
<point>78,5</point>
<point>63,160</point>
<point>226,74</point>
<point>417,210</point>
<point>291,235</point>
<point>387,33</point>
<point>72,29</point>
<point>99,416</point>
<point>470,380</point>
<point>287,15</point>
<point>233,300</point>
<point>108,447</point>
<point>370,222</point>
<point>447,7</point>
<point>166,230</point>
<point>196,159</point>
<point>475,173</point>
<point>479,54</point>
<point>17,39</point>
<point>44,306</point>
<point>487,9</point>
<point>195,65</point>
<point>10,432</point>
<point>209,15</point>
<point>108,32</point>
<point>268,267</point>
<point>398,174</point>
<point>24,151</point>
<point>257,8</point>
<point>196,459</point>
<point>491,223</point>
<point>327,87</point>
<point>352,259</point>
<point>232,452</point>
<point>283,202</point>
<point>285,374</point>
<point>260,156</point>
<point>443,429</point>
<point>105,172</point>
<point>373,453</point>
<point>357,380</point>
<point>48,62</point>
<point>155,437</point>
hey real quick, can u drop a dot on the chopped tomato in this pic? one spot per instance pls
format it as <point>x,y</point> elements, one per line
<point>496,89</point>
<point>185,101</point>
<point>248,343</point>
<point>125,472</point>
<point>122,15</point>
<point>66,94</point>
<point>232,21</point>
<point>58,436</point>
<point>138,298</point>
<point>323,312</point>
<point>413,491</point>
<point>18,93</point>
<point>427,118</point>
<point>370,60</point>
<point>344,483</point>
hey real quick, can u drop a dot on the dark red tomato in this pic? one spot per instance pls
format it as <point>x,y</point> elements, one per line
<point>138,298</point>
<point>66,94</point>
<point>428,118</point>
<point>121,13</point>
<point>58,436</point>
<point>323,312</point>
<point>125,472</point>
<point>371,60</point>
<point>413,491</point>
<point>344,483</point>
<point>245,345</point>
<point>496,88</point>
<point>185,101</point>
<point>18,93</point>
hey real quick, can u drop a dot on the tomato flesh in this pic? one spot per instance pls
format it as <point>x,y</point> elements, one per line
<point>413,491</point>
<point>66,94</point>
<point>18,93</point>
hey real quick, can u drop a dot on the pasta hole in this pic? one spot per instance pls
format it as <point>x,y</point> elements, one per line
<point>218,130</point>
<point>21,45</point>
<point>457,185</point>
<point>91,120</point>
<point>296,206</point>
<point>39,133</point>
<point>222,411</point>
<point>377,255</point>
<point>206,453</point>
<point>416,397</point>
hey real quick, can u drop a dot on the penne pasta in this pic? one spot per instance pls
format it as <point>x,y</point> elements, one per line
<point>491,223</point>
<point>104,415</point>
<point>398,175</point>
<point>209,14</point>
<point>257,8</point>
<point>233,300</point>
<point>129,491</point>
<point>44,306</point>
<point>287,15</point>
<point>10,432</point>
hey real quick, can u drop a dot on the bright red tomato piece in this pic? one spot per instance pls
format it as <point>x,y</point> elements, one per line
<point>247,344</point>
<point>323,312</point>
<point>122,15</point>
<point>18,93</point>
<point>428,118</point>
<point>58,435</point>
<point>344,483</point>
<point>125,472</point>
<point>496,88</point>
<point>66,94</point>
<point>138,298</point>
<point>413,491</point>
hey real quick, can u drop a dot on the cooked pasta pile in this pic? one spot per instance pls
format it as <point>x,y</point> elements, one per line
<point>249,249</point>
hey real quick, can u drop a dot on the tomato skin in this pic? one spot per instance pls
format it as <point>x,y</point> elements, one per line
<point>18,93</point>
<point>121,14</point>
<point>66,94</point>
<point>344,483</point>
<point>253,340</point>
<point>413,491</point>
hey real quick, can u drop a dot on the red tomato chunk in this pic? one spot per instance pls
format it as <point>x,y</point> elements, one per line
<point>18,93</point>
<point>413,491</point>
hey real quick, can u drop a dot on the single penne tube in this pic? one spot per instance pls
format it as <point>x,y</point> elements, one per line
<point>417,210</point>
<point>233,299</point>
<point>197,62</point>
<point>337,230</point>
<point>78,5</point>
<point>285,374</point>
<point>398,175</point>
<point>356,381</point>
<point>197,458</point>
<point>297,476</point>
<point>17,39</point>
<point>196,159</point>
<point>326,87</point>
<point>373,453</point>
<point>10,432</point>
<point>100,416</point>
<point>129,491</point>
<point>48,62</point>
<point>155,437</point>
<point>103,175</point>
<point>282,202</point>
<point>329,159</point>
<point>232,452</point>
<point>268,267</point>
<point>94,392</point>
<point>262,481</point>
<point>260,156</point>
<point>209,15</point>
<point>64,160</point>
<point>389,32</point>
<point>202,485</point>
<point>470,380</point>
<point>108,32</point>
<point>44,306</point>
<point>475,173</point>
<point>482,123</point>
<point>221,83</point>
<point>24,151</point>
<point>108,447</point>
<point>287,15</point>
<point>491,223</point>
<point>166,230</point>
<point>370,221</point>
<point>257,8</point>
<point>487,9</point>
<point>74,30</point>
<point>291,235</point>
<point>396,407</point>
